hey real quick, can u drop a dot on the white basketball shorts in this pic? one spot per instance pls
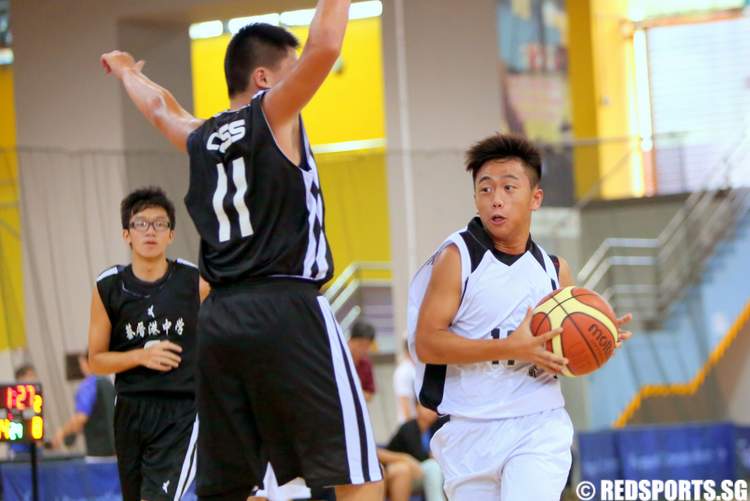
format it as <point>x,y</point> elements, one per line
<point>513,459</point>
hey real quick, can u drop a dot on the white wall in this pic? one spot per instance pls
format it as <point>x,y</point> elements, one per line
<point>447,98</point>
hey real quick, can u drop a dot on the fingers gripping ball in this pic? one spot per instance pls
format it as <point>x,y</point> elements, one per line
<point>589,331</point>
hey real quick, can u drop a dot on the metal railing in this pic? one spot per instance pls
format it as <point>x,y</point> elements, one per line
<point>341,294</point>
<point>649,274</point>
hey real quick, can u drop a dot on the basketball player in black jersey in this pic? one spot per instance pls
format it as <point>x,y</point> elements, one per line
<point>275,379</point>
<point>143,323</point>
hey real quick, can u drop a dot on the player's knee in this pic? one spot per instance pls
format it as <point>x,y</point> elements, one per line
<point>397,470</point>
<point>415,470</point>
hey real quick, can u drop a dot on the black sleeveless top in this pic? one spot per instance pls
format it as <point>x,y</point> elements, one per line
<point>143,312</point>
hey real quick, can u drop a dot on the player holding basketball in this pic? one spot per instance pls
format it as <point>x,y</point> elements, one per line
<point>509,435</point>
<point>275,380</point>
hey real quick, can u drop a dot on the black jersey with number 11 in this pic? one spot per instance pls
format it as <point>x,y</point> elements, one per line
<point>258,215</point>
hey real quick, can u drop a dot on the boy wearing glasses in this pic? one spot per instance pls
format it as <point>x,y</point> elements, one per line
<point>142,328</point>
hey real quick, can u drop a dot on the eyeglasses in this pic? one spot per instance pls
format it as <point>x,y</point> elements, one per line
<point>142,225</point>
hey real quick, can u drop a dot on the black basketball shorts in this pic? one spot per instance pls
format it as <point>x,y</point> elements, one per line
<point>276,383</point>
<point>155,442</point>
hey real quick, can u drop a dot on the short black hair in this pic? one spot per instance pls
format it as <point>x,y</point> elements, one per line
<point>257,44</point>
<point>21,370</point>
<point>362,330</point>
<point>145,198</point>
<point>505,147</point>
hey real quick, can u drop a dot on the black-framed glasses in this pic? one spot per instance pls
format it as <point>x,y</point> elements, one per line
<point>142,225</point>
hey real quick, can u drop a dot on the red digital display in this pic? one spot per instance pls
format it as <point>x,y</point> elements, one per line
<point>20,397</point>
<point>21,408</point>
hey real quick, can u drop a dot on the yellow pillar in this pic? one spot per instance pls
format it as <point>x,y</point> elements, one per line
<point>601,73</point>
<point>11,277</point>
<point>583,93</point>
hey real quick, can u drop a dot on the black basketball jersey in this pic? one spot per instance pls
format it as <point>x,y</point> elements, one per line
<point>258,214</point>
<point>144,312</point>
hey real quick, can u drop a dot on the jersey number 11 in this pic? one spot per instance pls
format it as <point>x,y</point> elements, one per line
<point>238,200</point>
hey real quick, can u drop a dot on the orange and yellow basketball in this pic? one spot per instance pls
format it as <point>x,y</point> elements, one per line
<point>589,331</point>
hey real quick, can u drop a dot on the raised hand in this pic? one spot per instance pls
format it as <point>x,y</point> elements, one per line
<point>117,62</point>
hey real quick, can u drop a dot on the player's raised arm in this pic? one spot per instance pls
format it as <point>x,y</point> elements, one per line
<point>286,99</point>
<point>156,103</point>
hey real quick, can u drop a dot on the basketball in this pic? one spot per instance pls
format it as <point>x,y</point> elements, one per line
<point>589,330</point>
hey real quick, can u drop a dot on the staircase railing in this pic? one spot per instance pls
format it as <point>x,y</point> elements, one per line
<point>342,292</point>
<point>649,274</point>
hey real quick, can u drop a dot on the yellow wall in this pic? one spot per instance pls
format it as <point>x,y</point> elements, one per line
<point>11,278</point>
<point>356,197</point>
<point>349,107</point>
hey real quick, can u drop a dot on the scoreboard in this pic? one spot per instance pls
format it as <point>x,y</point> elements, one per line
<point>21,406</point>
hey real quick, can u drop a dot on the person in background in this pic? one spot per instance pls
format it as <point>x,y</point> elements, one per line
<point>403,387</point>
<point>413,440</point>
<point>143,328</point>
<point>26,373</point>
<point>402,474</point>
<point>93,416</point>
<point>361,339</point>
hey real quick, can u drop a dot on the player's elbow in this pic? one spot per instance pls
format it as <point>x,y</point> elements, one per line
<point>96,367</point>
<point>156,109</point>
<point>325,48</point>
<point>425,348</point>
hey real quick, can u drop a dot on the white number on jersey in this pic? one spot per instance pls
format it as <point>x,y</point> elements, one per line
<point>240,184</point>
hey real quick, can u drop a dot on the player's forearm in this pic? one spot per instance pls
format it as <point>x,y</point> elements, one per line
<point>328,27</point>
<point>440,346</point>
<point>75,424</point>
<point>386,457</point>
<point>158,105</point>
<point>150,98</point>
<point>112,362</point>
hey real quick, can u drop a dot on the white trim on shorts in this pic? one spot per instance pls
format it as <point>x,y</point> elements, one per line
<point>187,473</point>
<point>294,489</point>
<point>361,455</point>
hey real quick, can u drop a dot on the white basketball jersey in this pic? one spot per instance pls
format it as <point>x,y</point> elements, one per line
<point>496,291</point>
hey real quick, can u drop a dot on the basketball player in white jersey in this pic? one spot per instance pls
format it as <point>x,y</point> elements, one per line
<point>509,435</point>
